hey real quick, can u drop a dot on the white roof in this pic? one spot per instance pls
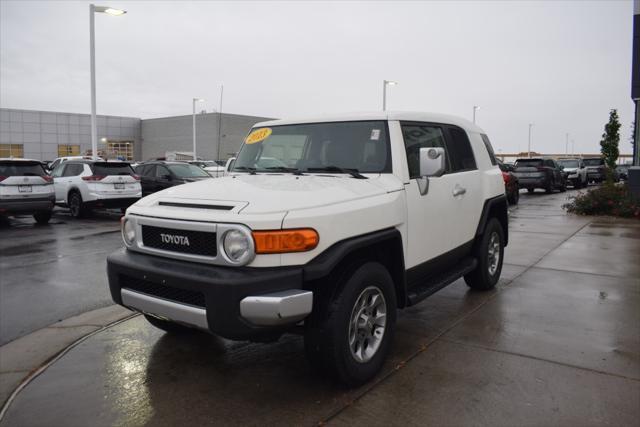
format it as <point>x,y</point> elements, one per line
<point>379,115</point>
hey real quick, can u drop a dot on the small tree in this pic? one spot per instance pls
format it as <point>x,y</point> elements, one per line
<point>609,143</point>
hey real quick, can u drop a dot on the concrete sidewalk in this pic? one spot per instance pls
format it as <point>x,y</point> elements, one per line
<point>557,343</point>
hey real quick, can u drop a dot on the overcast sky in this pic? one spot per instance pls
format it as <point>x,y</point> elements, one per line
<point>561,65</point>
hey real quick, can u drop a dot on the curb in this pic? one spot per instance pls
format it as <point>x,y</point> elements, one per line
<point>23,359</point>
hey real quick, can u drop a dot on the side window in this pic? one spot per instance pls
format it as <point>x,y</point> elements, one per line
<point>459,149</point>
<point>57,172</point>
<point>162,171</point>
<point>73,169</point>
<point>492,154</point>
<point>417,136</point>
<point>548,163</point>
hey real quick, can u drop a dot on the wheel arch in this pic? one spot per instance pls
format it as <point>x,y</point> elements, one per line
<point>495,207</point>
<point>384,246</point>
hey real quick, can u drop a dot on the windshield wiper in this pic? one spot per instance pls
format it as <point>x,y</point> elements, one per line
<point>353,172</point>
<point>294,171</point>
<point>252,171</point>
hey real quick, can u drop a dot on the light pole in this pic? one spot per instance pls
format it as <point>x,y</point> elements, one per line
<point>194,125</point>
<point>566,144</point>
<point>386,83</point>
<point>529,146</point>
<point>92,54</point>
<point>475,107</point>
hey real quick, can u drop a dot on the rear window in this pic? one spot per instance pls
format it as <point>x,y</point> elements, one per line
<point>489,147</point>
<point>106,169</point>
<point>528,163</point>
<point>593,162</point>
<point>21,169</point>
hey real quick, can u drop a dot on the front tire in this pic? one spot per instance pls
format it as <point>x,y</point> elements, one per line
<point>353,338</point>
<point>489,252</point>
<point>530,190</point>
<point>514,197</point>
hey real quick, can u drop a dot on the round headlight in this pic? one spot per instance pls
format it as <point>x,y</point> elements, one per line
<point>128,232</point>
<point>237,246</point>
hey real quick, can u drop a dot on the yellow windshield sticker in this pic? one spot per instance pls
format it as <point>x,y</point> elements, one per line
<point>258,135</point>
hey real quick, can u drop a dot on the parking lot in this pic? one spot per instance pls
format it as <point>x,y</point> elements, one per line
<point>556,343</point>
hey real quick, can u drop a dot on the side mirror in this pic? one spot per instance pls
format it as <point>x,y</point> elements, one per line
<point>432,164</point>
<point>166,177</point>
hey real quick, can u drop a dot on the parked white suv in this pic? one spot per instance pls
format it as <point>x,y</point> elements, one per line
<point>83,185</point>
<point>370,214</point>
<point>25,188</point>
<point>576,171</point>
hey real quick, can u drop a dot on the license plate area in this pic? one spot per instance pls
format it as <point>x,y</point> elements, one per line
<point>25,189</point>
<point>119,185</point>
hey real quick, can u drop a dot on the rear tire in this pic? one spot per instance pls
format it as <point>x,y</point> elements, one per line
<point>168,326</point>
<point>514,197</point>
<point>76,206</point>
<point>549,188</point>
<point>530,190</point>
<point>489,252</point>
<point>42,217</point>
<point>352,339</point>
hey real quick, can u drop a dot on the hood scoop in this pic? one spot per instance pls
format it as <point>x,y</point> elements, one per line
<point>197,206</point>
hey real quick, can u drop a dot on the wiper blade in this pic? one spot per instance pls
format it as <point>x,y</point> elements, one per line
<point>252,171</point>
<point>353,172</point>
<point>294,171</point>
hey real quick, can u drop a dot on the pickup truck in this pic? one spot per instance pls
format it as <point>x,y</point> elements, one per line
<point>363,215</point>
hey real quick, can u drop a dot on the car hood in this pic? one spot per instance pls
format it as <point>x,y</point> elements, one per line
<point>570,169</point>
<point>262,193</point>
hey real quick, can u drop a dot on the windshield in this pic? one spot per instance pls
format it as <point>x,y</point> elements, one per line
<point>187,171</point>
<point>528,163</point>
<point>568,163</point>
<point>317,147</point>
<point>21,169</point>
<point>593,162</point>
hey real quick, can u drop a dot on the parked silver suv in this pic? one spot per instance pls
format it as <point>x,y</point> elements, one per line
<point>25,188</point>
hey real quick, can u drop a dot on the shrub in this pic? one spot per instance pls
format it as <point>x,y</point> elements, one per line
<point>608,199</point>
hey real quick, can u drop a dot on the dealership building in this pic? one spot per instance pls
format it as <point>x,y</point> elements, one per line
<point>46,135</point>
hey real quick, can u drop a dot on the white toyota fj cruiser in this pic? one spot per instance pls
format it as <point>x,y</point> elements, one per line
<point>357,216</point>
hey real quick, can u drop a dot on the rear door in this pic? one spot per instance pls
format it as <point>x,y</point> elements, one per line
<point>147,179</point>
<point>163,178</point>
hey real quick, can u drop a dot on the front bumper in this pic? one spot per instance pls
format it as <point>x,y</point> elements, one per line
<point>238,303</point>
<point>27,205</point>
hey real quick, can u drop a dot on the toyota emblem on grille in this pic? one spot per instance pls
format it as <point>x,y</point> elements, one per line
<point>174,239</point>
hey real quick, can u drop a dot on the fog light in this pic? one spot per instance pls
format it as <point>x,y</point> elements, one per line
<point>128,232</point>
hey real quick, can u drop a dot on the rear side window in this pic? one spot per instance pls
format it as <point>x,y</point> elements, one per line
<point>459,148</point>
<point>21,169</point>
<point>106,169</point>
<point>73,169</point>
<point>492,154</point>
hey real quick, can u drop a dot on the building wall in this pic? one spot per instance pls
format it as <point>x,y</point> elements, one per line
<point>176,134</point>
<point>40,132</point>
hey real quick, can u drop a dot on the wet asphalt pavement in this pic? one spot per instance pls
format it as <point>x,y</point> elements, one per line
<point>54,271</point>
<point>556,343</point>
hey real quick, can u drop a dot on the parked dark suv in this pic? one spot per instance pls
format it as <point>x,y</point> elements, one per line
<point>535,173</point>
<point>597,170</point>
<point>158,175</point>
<point>511,184</point>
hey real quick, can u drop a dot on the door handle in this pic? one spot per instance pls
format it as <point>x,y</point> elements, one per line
<point>459,191</point>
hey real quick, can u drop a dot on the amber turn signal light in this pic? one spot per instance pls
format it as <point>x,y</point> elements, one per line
<point>283,241</point>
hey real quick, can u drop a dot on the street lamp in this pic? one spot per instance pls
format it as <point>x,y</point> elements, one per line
<point>529,146</point>
<point>566,144</point>
<point>386,83</point>
<point>475,107</point>
<point>194,125</point>
<point>92,53</point>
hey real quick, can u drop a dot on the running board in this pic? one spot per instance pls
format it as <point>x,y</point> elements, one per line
<point>436,283</point>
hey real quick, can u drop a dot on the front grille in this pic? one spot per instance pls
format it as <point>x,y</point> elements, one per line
<point>170,293</point>
<point>183,241</point>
